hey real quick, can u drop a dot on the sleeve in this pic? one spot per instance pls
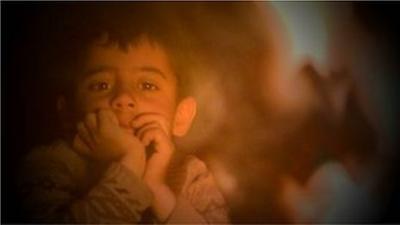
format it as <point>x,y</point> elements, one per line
<point>50,183</point>
<point>200,200</point>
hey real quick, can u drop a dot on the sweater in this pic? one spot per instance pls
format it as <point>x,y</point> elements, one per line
<point>57,185</point>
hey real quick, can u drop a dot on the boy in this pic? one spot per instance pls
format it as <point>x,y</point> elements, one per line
<point>126,68</point>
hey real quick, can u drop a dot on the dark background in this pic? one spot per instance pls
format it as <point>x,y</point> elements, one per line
<point>28,108</point>
<point>27,113</point>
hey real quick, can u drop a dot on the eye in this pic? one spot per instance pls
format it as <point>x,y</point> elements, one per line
<point>147,86</point>
<point>99,86</point>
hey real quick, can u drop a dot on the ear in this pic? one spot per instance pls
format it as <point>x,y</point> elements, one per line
<point>184,116</point>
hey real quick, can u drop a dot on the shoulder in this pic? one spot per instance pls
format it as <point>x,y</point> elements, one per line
<point>52,161</point>
<point>59,150</point>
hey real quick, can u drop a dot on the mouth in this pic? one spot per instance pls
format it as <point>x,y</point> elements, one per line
<point>127,129</point>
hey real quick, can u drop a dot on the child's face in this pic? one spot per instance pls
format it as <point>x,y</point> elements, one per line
<point>130,82</point>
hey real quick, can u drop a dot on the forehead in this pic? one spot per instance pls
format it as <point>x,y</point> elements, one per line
<point>133,57</point>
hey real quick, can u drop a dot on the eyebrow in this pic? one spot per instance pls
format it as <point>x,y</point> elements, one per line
<point>152,69</point>
<point>149,69</point>
<point>98,69</point>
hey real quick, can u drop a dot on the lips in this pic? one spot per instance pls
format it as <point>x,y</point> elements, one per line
<point>125,125</point>
<point>127,129</point>
<point>124,119</point>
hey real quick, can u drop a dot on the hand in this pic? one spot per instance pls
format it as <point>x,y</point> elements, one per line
<point>153,131</point>
<point>101,138</point>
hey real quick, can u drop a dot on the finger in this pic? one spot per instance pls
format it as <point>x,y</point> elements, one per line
<point>144,118</point>
<point>91,122</point>
<point>156,135</point>
<point>85,135</point>
<point>80,146</point>
<point>149,126</point>
<point>139,131</point>
<point>146,114</point>
<point>149,134</point>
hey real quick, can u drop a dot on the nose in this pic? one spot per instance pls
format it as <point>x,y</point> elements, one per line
<point>123,100</point>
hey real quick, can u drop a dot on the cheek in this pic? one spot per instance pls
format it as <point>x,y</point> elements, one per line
<point>162,105</point>
<point>88,104</point>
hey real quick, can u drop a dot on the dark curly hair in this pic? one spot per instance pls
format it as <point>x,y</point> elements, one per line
<point>77,25</point>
